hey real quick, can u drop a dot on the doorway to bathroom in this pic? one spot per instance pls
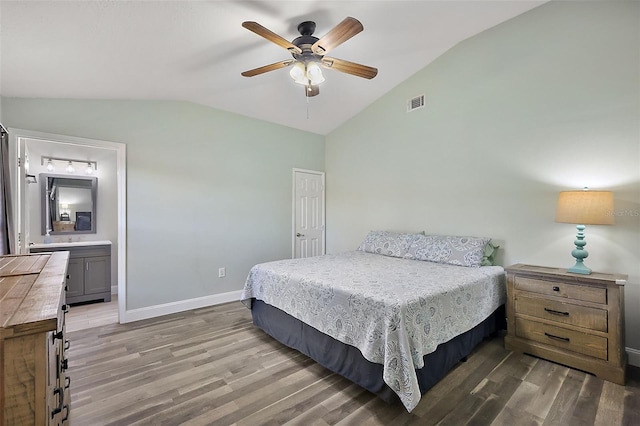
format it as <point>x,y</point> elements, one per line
<point>38,153</point>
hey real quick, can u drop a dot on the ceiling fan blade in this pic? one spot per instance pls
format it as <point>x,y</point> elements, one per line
<point>310,91</point>
<point>338,35</point>
<point>352,68</point>
<point>267,68</point>
<point>271,36</point>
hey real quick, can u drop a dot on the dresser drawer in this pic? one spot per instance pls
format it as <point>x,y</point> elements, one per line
<point>560,289</point>
<point>570,340</point>
<point>561,312</point>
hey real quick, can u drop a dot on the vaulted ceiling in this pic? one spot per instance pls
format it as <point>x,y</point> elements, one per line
<point>195,51</point>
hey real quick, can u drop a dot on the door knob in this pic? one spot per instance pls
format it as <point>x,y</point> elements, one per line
<point>299,235</point>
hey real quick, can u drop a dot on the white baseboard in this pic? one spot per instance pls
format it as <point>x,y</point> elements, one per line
<point>180,306</point>
<point>634,356</point>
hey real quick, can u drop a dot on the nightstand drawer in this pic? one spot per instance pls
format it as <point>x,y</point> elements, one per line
<point>561,312</point>
<point>560,289</point>
<point>570,340</point>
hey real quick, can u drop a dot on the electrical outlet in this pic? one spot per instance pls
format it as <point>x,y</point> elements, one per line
<point>221,272</point>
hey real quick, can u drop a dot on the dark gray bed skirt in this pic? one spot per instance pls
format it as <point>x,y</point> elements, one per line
<point>348,361</point>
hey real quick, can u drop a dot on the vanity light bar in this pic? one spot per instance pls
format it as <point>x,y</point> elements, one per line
<point>68,161</point>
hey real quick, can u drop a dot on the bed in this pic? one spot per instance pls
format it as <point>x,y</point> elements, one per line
<point>386,316</point>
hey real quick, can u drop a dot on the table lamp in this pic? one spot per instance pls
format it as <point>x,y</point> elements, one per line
<point>584,208</point>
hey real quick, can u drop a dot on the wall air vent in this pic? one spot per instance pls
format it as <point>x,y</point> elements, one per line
<point>415,103</point>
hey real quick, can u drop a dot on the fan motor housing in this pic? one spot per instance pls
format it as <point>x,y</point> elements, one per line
<point>305,41</point>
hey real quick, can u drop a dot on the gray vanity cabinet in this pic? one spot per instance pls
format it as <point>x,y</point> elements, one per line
<point>89,271</point>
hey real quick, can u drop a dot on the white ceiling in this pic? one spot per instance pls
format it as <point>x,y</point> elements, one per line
<point>195,51</point>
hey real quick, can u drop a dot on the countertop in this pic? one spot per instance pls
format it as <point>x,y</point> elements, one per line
<point>72,244</point>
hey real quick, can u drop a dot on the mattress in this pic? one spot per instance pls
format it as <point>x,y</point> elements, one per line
<point>394,311</point>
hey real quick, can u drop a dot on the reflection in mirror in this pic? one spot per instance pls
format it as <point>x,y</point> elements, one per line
<point>68,204</point>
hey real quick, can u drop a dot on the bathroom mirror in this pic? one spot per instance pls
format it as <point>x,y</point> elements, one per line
<point>68,204</point>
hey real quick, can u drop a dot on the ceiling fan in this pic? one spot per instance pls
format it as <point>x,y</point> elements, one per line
<point>308,53</point>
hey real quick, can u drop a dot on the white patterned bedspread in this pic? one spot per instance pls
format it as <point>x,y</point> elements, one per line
<point>393,310</point>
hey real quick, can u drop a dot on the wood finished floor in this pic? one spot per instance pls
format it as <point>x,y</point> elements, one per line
<point>213,367</point>
<point>92,314</point>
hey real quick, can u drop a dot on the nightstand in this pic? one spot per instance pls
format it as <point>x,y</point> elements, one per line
<point>575,320</point>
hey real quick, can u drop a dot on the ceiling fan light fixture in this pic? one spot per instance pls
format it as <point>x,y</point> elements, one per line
<point>298,73</point>
<point>309,52</point>
<point>314,73</point>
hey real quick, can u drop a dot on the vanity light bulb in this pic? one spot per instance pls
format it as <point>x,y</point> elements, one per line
<point>89,169</point>
<point>50,166</point>
<point>70,168</point>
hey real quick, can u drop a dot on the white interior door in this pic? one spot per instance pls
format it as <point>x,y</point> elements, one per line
<point>308,213</point>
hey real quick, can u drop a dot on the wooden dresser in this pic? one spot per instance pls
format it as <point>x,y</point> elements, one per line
<point>34,389</point>
<point>575,320</point>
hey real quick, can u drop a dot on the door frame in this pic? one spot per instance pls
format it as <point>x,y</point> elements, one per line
<point>17,137</point>
<point>293,209</point>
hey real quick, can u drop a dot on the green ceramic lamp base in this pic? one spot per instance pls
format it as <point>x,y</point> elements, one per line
<point>580,253</point>
<point>579,268</point>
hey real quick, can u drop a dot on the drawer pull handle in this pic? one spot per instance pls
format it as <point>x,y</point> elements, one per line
<point>556,288</point>
<point>67,344</point>
<point>551,311</point>
<point>64,364</point>
<point>551,336</point>
<point>66,416</point>
<point>58,335</point>
<point>58,409</point>
<point>67,382</point>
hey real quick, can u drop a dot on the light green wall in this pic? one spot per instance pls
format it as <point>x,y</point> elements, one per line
<point>205,188</point>
<point>545,102</point>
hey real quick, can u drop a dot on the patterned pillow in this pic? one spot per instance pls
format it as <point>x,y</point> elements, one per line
<point>387,243</point>
<point>454,250</point>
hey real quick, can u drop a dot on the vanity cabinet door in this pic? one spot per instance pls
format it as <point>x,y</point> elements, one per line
<point>75,283</point>
<point>96,271</point>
